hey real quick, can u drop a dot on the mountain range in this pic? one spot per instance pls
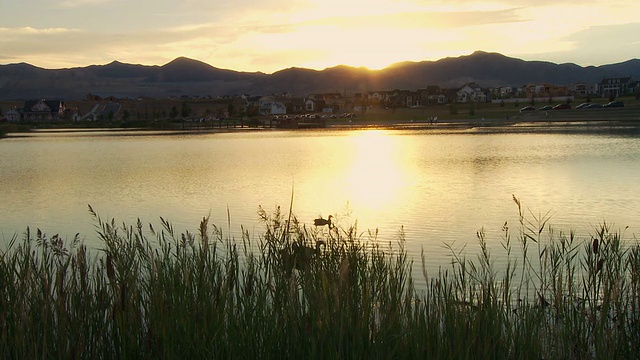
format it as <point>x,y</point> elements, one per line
<point>184,76</point>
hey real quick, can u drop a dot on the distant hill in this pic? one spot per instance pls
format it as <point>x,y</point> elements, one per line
<point>184,76</point>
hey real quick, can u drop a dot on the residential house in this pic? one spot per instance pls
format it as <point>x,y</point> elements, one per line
<point>272,108</point>
<point>506,91</point>
<point>543,90</point>
<point>12,116</point>
<point>43,110</point>
<point>295,106</point>
<point>254,101</point>
<point>313,104</point>
<point>379,97</point>
<point>360,102</point>
<point>263,100</point>
<point>432,95</point>
<point>471,92</point>
<point>613,87</point>
<point>284,96</point>
<point>533,90</point>
<point>334,101</point>
<point>413,98</point>
<point>403,98</point>
<point>398,98</point>
<point>582,89</point>
<point>316,97</point>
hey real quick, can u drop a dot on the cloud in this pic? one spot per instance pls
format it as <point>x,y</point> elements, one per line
<point>269,29</point>
<point>28,44</point>
<point>598,45</point>
<point>30,31</point>
<point>79,3</point>
<point>519,3</point>
<point>59,47</point>
<point>424,19</point>
<point>609,34</point>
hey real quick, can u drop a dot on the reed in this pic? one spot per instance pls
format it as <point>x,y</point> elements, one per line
<point>156,293</point>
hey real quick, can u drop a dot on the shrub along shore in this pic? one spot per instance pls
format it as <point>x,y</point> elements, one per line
<point>315,292</point>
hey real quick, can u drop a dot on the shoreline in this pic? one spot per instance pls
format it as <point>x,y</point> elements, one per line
<point>628,122</point>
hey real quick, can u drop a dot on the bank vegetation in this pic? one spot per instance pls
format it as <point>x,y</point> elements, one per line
<point>301,291</point>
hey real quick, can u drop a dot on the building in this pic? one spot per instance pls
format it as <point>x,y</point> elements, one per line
<point>583,89</point>
<point>334,101</point>
<point>295,106</point>
<point>544,90</point>
<point>379,97</point>
<point>471,92</point>
<point>12,116</point>
<point>432,95</point>
<point>43,110</point>
<point>614,87</point>
<point>272,108</point>
<point>506,91</point>
<point>314,103</point>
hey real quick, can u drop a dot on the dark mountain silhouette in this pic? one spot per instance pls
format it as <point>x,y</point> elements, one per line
<point>117,69</point>
<point>184,76</point>
<point>188,70</point>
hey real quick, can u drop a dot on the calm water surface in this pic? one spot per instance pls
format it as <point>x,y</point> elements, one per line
<point>440,188</point>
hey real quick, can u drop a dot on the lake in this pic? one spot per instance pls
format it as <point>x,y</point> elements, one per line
<point>439,187</point>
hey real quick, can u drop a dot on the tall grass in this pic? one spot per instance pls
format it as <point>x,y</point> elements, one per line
<point>311,292</point>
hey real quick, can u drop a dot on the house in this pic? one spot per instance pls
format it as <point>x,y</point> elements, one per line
<point>272,108</point>
<point>432,95</point>
<point>43,110</point>
<point>613,87</point>
<point>399,98</point>
<point>583,89</point>
<point>379,97</point>
<point>359,101</point>
<point>102,110</point>
<point>295,106</point>
<point>316,97</point>
<point>533,91</point>
<point>335,101</point>
<point>413,99</point>
<point>253,101</point>
<point>12,116</point>
<point>471,92</point>
<point>313,104</point>
<point>506,91</point>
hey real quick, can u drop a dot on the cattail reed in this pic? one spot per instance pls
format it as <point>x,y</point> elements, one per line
<point>164,294</point>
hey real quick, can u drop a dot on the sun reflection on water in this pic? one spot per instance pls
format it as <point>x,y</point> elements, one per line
<point>375,175</point>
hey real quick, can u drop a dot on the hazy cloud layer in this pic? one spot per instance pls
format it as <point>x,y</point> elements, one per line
<point>597,44</point>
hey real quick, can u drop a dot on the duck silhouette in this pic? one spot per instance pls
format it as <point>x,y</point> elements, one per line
<point>322,222</point>
<point>299,256</point>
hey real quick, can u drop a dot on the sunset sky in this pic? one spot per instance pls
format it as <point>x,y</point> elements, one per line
<point>271,35</point>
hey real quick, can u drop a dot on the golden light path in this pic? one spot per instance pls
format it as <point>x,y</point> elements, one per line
<point>375,175</point>
<point>369,174</point>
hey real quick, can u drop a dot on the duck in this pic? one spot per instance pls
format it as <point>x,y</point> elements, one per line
<point>322,222</point>
<point>299,256</point>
